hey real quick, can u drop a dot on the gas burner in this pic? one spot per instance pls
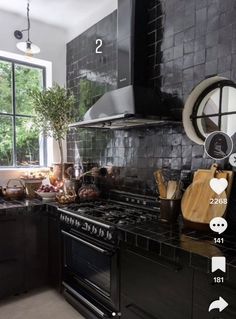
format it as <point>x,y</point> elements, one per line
<point>80,210</point>
<point>111,212</point>
<point>94,213</point>
<point>123,222</point>
<point>119,211</point>
<point>115,213</point>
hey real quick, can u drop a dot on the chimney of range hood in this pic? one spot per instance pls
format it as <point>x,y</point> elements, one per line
<point>133,103</point>
<point>131,43</point>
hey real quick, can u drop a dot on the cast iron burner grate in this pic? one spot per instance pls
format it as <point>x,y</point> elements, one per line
<point>112,213</point>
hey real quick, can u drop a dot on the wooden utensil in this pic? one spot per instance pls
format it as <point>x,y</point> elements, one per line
<point>160,183</point>
<point>178,192</point>
<point>171,189</point>
<point>196,203</point>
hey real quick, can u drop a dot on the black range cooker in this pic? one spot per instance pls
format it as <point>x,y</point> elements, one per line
<point>90,249</point>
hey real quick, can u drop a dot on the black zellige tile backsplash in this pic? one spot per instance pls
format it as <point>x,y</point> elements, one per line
<point>90,74</point>
<point>187,41</point>
<point>138,153</point>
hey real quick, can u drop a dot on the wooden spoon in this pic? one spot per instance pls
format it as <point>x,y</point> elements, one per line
<point>160,183</point>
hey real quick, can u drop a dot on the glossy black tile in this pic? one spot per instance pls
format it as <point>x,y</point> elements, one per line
<point>187,41</point>
<point>183,246</point>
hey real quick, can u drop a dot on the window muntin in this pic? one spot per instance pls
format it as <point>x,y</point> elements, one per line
<point>215,108</point>
<point>19,143</point>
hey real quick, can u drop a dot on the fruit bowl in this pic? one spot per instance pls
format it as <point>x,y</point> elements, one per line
<point>47,192</point>
<point>47,196</point>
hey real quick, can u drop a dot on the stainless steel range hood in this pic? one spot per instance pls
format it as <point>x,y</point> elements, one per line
<point>125,107</point>
<point>133,103</point>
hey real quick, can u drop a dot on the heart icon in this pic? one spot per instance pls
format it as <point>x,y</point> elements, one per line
<point>218,185</point>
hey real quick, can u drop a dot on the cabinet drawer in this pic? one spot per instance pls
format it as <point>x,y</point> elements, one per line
<point>155,288</point>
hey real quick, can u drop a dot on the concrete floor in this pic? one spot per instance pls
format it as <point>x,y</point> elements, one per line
<point>43,304</point>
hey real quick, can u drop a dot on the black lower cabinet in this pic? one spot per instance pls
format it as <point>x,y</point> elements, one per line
<point>205,292</point>
<point>11,252</point>
<point>23,249</point>
<point>54,248</point>
<point>154,288</point>
<point>36,247</point>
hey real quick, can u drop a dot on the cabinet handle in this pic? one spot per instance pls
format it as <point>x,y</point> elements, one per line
<point>103,251</point>
<point>140,312</point>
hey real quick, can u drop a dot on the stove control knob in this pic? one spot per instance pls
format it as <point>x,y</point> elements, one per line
<point>62,217</point>
<point>109,235</point>
<point>94,230</point>
<point>86,227</point>
<point>67,219</point>
<point>101,233</point>
<point>72,221</point>
<point>77,223</point>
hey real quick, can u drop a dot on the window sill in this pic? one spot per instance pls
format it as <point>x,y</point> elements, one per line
<point>3,169</point>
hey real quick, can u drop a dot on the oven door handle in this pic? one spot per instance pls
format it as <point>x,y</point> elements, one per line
<point>103,251</point>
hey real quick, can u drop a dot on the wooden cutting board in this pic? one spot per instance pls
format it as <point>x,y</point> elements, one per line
<point>202,173</point>
<point>195,204</point>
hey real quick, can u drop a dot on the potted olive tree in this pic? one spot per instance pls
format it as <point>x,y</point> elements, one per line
<point>53,109</point>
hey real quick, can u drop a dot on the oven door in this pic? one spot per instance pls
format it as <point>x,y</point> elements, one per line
<point>92,267</point>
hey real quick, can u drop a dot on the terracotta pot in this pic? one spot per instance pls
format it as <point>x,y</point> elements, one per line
<point>56,171</point>
<point>68,170</point>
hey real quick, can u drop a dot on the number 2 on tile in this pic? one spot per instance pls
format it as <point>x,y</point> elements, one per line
<point>99,45</point>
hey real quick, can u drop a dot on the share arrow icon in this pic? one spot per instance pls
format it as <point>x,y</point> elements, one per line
<point>220,304</point>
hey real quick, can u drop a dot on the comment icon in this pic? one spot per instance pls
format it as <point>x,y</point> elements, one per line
<point>218,225</point>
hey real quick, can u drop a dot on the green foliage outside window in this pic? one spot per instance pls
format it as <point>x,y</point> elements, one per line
<point>19,140</point>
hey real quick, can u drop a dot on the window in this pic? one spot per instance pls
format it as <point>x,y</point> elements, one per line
<point>210,107</point>
<point>20,144</point>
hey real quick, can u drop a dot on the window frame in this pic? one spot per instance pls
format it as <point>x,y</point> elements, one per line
<point>194,117</point>
<point>14,115</point>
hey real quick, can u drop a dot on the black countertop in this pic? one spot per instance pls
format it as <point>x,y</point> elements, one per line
<point>169,241</point>
<point>7,204</point>
<point>181,245</point>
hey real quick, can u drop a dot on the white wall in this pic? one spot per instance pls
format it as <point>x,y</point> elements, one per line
<point>99,13</point>
<point>51,40</point>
